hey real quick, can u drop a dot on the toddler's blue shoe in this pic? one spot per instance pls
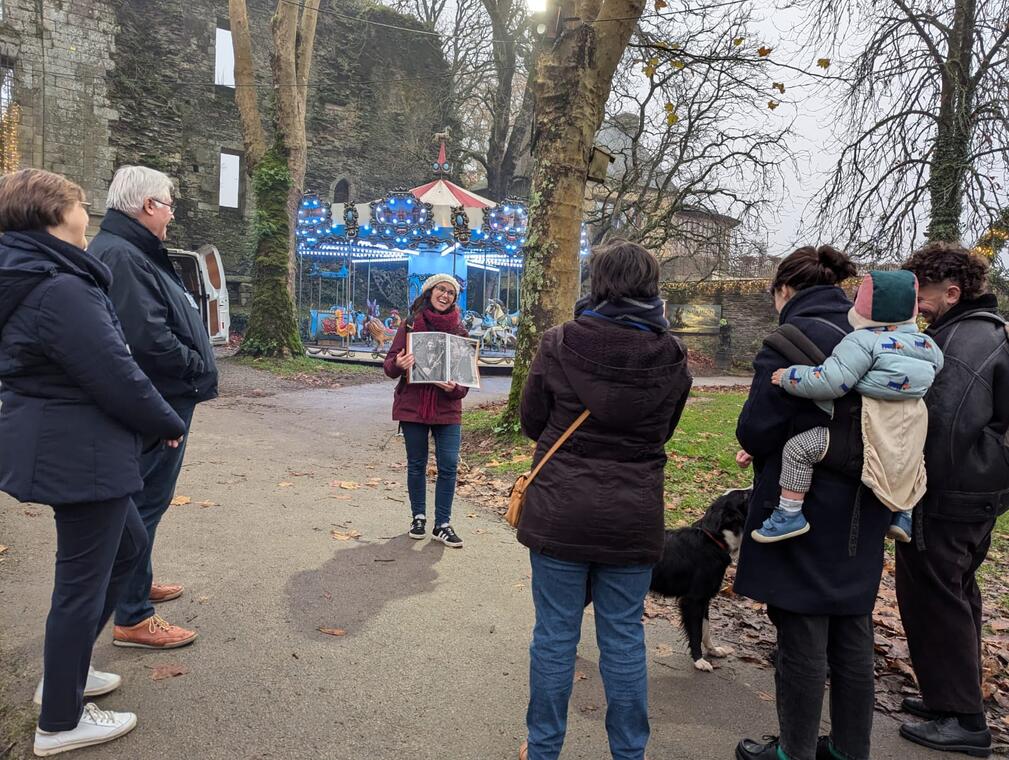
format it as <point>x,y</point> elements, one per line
<point>900,527</point>
<point>781,525</point>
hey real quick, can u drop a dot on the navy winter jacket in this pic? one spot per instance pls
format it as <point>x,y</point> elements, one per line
<point>161,320</point>
<point>75,409</point>
<point>834,569</point>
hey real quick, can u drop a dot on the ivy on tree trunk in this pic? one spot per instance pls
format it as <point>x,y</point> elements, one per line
<point>273,329</point>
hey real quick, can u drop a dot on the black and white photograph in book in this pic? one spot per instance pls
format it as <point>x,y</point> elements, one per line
<point>444,358</point>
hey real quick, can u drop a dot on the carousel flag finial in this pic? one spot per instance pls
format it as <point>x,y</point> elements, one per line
<point>442,166</point>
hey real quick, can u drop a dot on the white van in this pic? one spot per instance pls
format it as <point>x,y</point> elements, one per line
<point>202,272</point>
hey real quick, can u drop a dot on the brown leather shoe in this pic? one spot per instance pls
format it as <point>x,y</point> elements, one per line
<point>165,592</point>
<point>153,633</point>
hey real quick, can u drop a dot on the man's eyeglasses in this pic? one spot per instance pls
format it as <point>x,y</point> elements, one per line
<point>170,206</point>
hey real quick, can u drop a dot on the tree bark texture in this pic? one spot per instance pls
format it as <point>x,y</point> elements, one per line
<point>277,167</point>
<point>951,162</point>
<point>571,86</point>
<point>253,136</point>
<point>273,327</point>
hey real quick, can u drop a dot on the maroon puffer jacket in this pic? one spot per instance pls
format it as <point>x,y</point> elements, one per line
<point>408,403</point>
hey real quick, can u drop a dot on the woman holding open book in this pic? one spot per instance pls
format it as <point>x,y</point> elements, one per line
<point>429,410</point>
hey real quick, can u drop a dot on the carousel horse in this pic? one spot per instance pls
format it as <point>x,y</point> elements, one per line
<point>394,321</point>
<point>377,330</point>
<point>336,325</point>
<point>498,315</point>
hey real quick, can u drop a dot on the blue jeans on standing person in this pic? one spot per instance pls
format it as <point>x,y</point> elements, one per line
<point>447,440</point>
<point>160,470</point>
<point>560,593</point>
<point>97,547</point>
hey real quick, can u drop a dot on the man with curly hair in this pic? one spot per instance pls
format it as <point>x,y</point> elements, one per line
<point>967,461</point>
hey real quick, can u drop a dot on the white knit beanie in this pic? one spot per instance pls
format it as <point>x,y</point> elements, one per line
<point>436,279</point>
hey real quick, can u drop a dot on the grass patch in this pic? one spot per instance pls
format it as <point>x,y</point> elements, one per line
<point>306,368</point>
<point>702,455</point>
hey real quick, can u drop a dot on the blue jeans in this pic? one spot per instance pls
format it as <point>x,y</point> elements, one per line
<point>160,470</point>
<point>447,440</point>
<point>560,592</point>
<point>97,547</point>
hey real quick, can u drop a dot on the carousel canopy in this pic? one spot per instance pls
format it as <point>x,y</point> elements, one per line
<point>436,219</point>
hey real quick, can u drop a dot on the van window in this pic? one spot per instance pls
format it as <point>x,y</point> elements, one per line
<point>213,271</point>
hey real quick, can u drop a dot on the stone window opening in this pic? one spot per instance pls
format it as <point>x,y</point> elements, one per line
<point>230,182</point>
<point>340,191</point>
<point>6,82</point>
<point>224,58</point>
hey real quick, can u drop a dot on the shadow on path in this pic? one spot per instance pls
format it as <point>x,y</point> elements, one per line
<point>352,587</point>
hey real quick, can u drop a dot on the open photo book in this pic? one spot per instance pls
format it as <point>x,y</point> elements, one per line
<point>444,358</point>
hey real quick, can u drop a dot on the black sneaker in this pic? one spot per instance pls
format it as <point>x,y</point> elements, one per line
<point>418,529</point>
<point>447,536</point>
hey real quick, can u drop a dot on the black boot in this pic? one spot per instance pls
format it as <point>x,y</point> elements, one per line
<point>916,707</point>
<point>947,735</point>
<point>751,750</point>
<point>748,749</point>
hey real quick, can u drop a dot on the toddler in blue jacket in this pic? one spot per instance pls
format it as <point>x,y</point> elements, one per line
<point>891,364</point>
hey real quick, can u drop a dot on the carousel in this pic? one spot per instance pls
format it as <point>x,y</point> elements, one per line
<point>361,265</point>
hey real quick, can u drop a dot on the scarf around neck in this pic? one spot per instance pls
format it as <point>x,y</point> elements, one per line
<point>646,314</point>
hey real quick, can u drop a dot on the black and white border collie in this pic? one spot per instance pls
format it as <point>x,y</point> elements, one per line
<point>693,567</point>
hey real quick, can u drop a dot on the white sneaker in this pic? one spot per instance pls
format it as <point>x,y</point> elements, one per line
<point>95,727</point>
<point>98,683</point>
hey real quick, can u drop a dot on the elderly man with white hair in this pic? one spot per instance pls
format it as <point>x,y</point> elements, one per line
<point>168,339</point>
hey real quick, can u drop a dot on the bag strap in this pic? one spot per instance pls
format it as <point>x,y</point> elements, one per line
<point>831,325</point>
<point>789,341</point>
<point>560,442</point>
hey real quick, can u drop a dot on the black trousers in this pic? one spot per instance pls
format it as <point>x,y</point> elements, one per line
<point>809,648</point>
<point>940,605</point>
<point>97,547</point>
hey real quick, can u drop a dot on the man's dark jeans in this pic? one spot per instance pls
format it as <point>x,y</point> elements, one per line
<point>811,647</point>
<point>160,470</point>
<point>940,605</point>
<point>97,547</point>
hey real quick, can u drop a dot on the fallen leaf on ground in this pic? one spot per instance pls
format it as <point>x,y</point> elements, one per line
<point>203,599</point>
<point>2,548</point>
<point>206,504</point>
<point>300,474</point>
<point>180,501</point>
<point>579,676</point>
<point>663,650</point>
<point>339,535</point>
<point>340,497</point>
<point>333,631</point>
<point>161,672</point>
<point>346,485</point>
<point>765,696</point>
<point>284,484</point>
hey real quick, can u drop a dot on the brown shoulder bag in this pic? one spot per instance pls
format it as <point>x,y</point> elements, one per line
<point>518,494</point>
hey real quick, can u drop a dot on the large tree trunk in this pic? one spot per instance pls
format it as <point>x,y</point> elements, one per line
<point>278,171</point>
<point>273,327</point>
<point>951,160</point>
<point>571,85</point>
